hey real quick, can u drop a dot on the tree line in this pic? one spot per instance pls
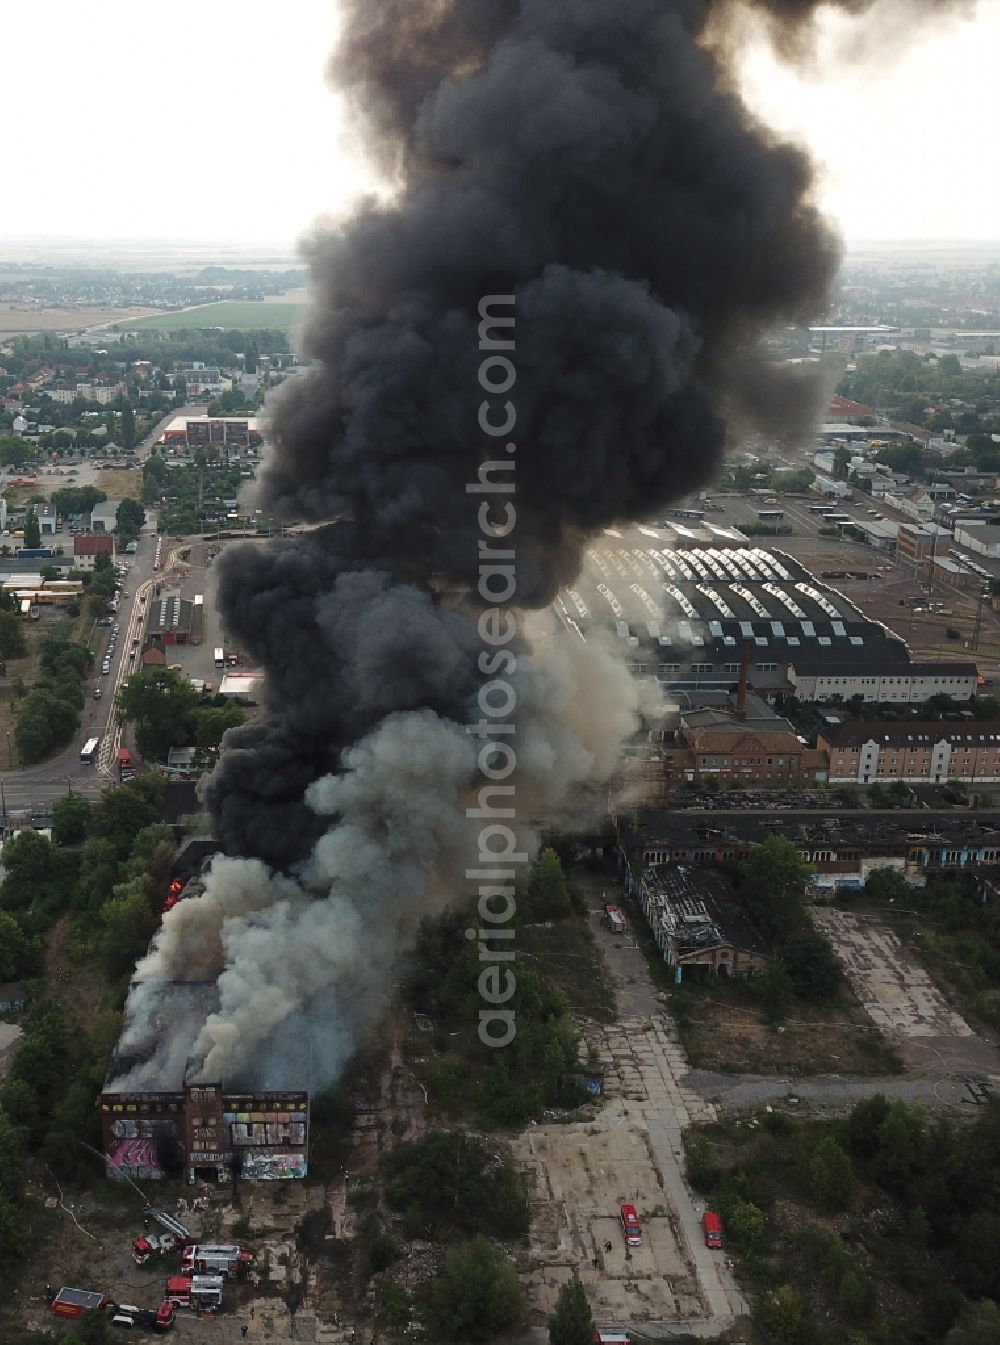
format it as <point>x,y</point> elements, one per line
<point>881,1226</point>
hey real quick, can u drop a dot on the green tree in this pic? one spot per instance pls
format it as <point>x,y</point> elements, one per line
<point>122,813</point>
<point>43,1056</point>
<point>32,530</point>
<point>549,895</point>
<point>863,1125</point>
<point>901,1138</point>
<point>212,723</point>
<point>21,1104</point>
<point>70,819</point>
<point>886,886</point>
<point>776,988</point>
<point>703,1167</point>
<point>15,1232</point>
<point>477,1294</point>
<point>162,705</point>
<point>812,964</point>
<point>27,861</point>
<point>772,883</point>
<point>128,924</point>
<point>394,1306</point>
<point>76,499</point>
<point>12,643</point>
<point>979,1324</point>
<point>841,461</point>
<point>571,1322</point>
<point>12,1172</point>
<point>43,721</point>
<point>831,1176</point>
<point>128,425</point>
<point>129,519</point>
<point>99,871</point>
<point>156,467</point>
<point>784,1315</point>
<point>744,1222</point>
<point>15,451</point>
<point>18,955</point>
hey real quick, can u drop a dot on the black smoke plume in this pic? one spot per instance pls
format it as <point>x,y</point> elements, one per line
<point>592,159</point>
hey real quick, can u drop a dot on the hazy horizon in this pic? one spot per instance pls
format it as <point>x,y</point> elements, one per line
<point>222,95</point>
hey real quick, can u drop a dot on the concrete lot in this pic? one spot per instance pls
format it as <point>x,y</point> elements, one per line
<point>900,997</point>
<point>630,1151</point>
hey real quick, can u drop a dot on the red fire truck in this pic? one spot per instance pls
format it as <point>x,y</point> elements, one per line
<point>75,1302</point>
<point>202,1292</point>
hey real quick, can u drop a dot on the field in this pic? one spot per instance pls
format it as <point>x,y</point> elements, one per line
<point>229,313</point>
<point>16,320</point>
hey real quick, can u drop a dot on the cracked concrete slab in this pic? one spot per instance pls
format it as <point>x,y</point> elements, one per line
<point>900,997</point>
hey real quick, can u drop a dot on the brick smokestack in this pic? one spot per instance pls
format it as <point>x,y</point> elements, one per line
<point>741,689</point>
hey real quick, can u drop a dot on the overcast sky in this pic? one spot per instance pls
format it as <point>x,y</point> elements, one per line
<point>201,118</point>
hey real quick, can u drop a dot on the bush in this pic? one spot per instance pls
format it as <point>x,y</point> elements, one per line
<point>703,1167</point>
<point>785,1316</point>
<point>452,1183</point>
<point>476,1296</point>
<point>812,964</point>
<point>831,1176</point>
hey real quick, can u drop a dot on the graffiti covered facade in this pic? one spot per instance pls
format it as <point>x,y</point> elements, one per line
<point>204,1132</point>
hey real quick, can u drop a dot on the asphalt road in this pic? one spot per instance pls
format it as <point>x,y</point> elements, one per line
<point>44,783</point>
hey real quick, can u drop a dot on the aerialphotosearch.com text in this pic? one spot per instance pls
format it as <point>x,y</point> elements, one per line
<point>495,810</point>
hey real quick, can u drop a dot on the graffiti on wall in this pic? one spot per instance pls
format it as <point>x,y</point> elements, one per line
<point>134,1149</point>
<point>265,1167</point>
<point>133,1158</point>
<point>265,1129</point>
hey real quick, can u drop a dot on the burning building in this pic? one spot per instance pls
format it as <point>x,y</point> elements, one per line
<point>210,1131</point>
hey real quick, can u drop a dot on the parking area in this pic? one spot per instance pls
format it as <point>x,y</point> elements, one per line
<point>900,998</point>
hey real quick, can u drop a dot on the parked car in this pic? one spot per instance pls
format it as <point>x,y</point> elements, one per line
<point>712,1229</point>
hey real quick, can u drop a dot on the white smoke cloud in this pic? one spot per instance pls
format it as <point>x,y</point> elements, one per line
<point>310,961</point>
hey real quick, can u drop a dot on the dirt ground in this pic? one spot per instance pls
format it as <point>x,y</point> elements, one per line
<point>900,997</point>
<point>119,485</point>
<point>725,1031</point>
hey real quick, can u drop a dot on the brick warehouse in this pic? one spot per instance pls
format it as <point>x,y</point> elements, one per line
<point>202,1131</point>
<point>176,1127</point>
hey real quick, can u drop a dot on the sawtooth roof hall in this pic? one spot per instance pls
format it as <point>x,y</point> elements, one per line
<point>684,610</point>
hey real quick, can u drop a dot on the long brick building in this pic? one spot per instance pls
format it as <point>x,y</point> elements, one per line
<point>917,753</point>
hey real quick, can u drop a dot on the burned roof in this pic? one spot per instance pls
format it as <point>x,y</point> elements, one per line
<point>192,858</point>
<point>699,910</point>
<point>872,831</point>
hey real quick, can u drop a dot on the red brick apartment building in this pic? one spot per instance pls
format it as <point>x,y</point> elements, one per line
<point>751,756</point>
<point>929,753</point>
